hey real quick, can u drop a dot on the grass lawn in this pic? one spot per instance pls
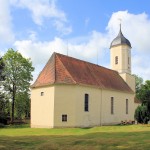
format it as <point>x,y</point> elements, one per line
<point>98,138</point>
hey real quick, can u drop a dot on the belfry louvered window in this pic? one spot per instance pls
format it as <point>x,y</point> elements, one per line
<point>116,60</point>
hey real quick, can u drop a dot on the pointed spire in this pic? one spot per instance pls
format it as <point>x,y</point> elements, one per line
<point>120,27</point>
<point>120,22</point>
<point>120,39</point>
<point>120,31</point>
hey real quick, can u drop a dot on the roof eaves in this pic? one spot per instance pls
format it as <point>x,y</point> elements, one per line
<point>41,85</point>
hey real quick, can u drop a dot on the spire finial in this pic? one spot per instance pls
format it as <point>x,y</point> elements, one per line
<point>120,20</point>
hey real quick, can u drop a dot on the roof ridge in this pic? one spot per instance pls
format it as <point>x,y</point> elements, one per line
<point>62,69</point>
<point>65,68</point>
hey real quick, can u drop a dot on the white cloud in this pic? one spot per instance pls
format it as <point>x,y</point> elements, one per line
<point>60,26</point>
<point>42,9</point>
<point>6,33</point>
<point>40,52</point>
<point>140,66</point>
<point>134,27</point>
<point>87,20</point>
<point>32,35</point>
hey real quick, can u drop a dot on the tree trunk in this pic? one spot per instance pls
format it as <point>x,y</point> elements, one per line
<point>13,104</point>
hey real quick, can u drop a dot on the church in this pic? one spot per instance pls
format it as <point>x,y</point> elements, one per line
<point>74,93</point>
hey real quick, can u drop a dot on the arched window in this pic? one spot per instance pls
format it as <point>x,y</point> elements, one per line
<point>126,106</point>
<point>112,105</point>
<point>128,60</point>
<point>86,102</point>
<point>116,60</point>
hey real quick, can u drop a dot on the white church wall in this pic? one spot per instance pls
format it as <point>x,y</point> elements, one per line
<point>92,116</point>
<point>69,100</point>
<point>65,104</point>
<point>42,107</point>
<point>119,107</point>
<point>62,99</point>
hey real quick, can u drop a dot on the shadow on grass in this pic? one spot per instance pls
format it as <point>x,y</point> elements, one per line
<point>92,141</point>
<point>17,126</point>
<point>86,128</point>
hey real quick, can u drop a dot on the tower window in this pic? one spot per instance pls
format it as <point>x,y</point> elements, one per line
<point>86,102</point>
<point>112,105</point>
<point>126,106</point>
<point>128,60</point>
<point>116,60</point>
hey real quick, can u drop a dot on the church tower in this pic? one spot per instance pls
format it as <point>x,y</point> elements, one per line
<point>120,58</point>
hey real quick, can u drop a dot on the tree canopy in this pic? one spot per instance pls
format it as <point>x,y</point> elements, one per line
<point>142,113</point>
<point>144,94</point>
<point>138,84</point>
<point>17,76</point>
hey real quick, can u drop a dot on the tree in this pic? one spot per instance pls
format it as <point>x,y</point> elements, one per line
<point>144,94</point>
<point>22,105</point>
<point>17,73</point>
<point>141,114</point>
<point>138,84</point>
<point>2,94</point>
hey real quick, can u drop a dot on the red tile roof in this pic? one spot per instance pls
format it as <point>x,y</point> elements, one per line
<point>61,69</point>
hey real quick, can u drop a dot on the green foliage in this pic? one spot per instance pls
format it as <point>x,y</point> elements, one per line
<point>4,107</point>
<point>137,114</point>
<point>17,72</point>
<point>22,105</point>
<point>144,94</point>
<point>142,114</point>
<point>1,69</point>
<point>138,84</point>
<point>2,125</point>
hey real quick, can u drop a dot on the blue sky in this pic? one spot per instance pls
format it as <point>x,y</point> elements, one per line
<point>84,28</point>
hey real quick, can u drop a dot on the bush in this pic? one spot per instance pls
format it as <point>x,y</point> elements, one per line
<point>141,114</point>
<point>3,119</point>
<point>2,125</point>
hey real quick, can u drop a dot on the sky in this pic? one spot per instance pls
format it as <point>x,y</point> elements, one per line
<point>82,29</point>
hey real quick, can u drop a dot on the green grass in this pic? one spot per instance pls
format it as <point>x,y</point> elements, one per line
<point>98,138</point>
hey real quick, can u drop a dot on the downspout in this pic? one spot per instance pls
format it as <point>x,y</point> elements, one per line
<point>101,109</point>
